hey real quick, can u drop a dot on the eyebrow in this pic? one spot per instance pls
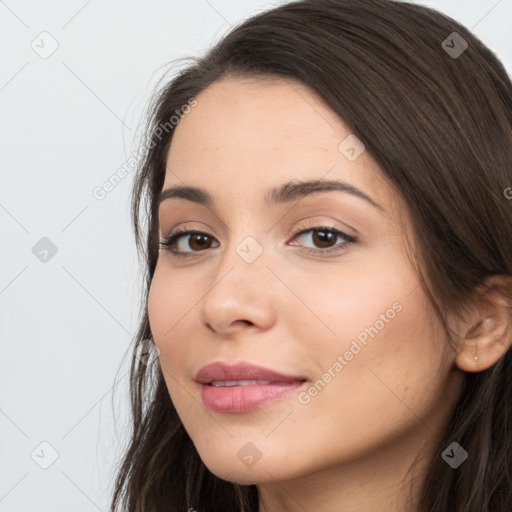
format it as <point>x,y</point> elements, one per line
<point>285,193</point>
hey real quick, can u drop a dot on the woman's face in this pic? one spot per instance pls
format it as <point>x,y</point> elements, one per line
<point>366,381</point>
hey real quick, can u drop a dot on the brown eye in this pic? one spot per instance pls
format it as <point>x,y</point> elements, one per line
<point>323,239</point>
<point>197,241</point>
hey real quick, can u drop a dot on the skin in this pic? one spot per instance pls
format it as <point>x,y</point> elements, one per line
<point>350,447</point>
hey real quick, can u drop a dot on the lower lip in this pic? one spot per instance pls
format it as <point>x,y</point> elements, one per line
<point>238,399</point>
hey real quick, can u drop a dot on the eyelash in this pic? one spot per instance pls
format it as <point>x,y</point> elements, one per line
<point>170,241</point>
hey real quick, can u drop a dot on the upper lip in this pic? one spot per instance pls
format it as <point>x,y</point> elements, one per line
<point>219,371</point>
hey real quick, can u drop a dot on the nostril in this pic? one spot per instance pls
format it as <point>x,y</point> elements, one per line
<point>247,322</point>
<point>235,323</point>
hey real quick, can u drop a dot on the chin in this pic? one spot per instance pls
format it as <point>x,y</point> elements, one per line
<point>235,471</point>
<point>236,475</point>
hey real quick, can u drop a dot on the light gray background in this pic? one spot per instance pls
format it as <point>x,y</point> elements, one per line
<point>67,123</point>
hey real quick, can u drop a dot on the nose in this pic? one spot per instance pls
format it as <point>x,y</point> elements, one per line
<point>240,294</point>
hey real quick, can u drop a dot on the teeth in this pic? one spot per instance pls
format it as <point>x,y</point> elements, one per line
<point>229,383</point>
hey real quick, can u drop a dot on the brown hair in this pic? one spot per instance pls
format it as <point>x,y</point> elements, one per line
<point>439,125</point>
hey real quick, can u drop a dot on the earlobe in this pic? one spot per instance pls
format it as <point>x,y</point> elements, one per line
<point>488,333</point>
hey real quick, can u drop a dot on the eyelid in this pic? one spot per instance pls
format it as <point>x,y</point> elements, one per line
<point>316,224</point>
<point>349,231</point>
<point>189,226</point>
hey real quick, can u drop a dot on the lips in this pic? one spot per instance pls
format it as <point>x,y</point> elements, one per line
<point>231,383</point>
<point>241,372</point>
<point>243,387</point>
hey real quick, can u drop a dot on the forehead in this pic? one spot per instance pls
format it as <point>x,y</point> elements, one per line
<point>256,115</point>
<point>249,135</point>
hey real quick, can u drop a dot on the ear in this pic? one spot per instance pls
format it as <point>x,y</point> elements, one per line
<point>487,332</point>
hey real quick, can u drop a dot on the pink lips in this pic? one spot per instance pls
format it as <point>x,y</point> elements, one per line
<point>243,387</point>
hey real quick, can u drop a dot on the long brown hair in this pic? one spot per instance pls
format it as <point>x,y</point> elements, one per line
<point>437,118</point>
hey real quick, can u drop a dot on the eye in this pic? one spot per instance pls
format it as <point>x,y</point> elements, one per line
<point>325,237</point>
<point>198,240</point>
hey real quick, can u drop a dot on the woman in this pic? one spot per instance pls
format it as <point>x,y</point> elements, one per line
<point>329,271</point>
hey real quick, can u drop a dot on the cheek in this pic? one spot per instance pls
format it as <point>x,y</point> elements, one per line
<point>378,394</point>
<point>384,348</point>
<point>385,366</point>
<point>170,310</point>
<point>170,301</point>
<point>158,308</point>
<point>362,305</point>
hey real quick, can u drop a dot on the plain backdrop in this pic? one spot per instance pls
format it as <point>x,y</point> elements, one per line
<point>75,77</point>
